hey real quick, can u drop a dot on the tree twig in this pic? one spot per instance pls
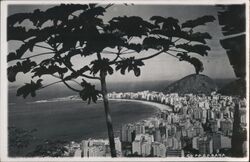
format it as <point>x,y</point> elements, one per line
<point>44,47</point>
<point>141,59</point>
<point>109,5</point>
<point>51,84</point>
<point>109,52</point>
<point>73,89</point>
<point>130,52</point>
<point>149,57</point>
<point>40,54</point>
<point>171,54</point>
<point>176,50</point>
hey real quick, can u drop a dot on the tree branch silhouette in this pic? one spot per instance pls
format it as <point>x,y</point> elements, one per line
<point>109,52</point>
<point>60,81</point>
<point>174,50</point>
<point>67,85</point>
<point>43,47</point>
<point>130,52</point>
<point>51,84</point>
<point>140,59</point>
<point>36,55</point>
<point>149,57</point>
<point>171,54</point>
<point>109,5</point>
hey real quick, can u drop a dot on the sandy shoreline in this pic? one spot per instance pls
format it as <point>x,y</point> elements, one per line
<point>154,104</point>
<point>159,106</point>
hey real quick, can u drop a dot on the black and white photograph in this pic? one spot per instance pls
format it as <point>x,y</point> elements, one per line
<point>128,80</point>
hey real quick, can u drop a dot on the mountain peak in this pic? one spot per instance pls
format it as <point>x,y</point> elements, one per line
<point>194,83</point>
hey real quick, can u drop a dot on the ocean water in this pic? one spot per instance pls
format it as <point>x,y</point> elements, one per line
<point>73,120</point>
<point>70,120</point>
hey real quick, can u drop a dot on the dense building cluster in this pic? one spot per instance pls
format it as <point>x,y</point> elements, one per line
<point>193,125</point>
<point>94,148</point>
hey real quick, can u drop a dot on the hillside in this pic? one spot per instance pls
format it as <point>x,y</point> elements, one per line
<point>236,88</point>
<point>196,84</point>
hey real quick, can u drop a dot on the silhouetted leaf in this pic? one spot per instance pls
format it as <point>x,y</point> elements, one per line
<point>138,29</point>
<point>130,64</point>
<point>198,37</point>
<point>199,21</point>
<point>17,33</point>
<point>197,48</point>
<point>156,43</point>
<point>12,56</point>
<point>107,40</point>
<point>43,70</point>
<point>137,72</point>
<point>101,66</point>
<point>136,47</point>
<point>17,18</point>
<point>198,65</point>
<point>89,92</point>
<point>97,10</point>
<point>24,67</point>
<point>169,24</point>
<point>157,19</point>
<point>57,13</point>
<point>29,88</point>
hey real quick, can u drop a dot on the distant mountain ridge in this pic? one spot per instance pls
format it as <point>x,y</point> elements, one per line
<point>196,84</point>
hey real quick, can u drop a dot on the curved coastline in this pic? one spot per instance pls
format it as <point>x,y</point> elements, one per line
<point>161,107</point>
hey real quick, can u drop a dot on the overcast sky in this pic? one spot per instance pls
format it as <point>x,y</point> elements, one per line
<point>163,67</point>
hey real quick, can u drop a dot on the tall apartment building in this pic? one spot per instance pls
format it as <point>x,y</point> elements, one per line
<point>142,144</point>
<point>158,149</point>
<point>205,145</point>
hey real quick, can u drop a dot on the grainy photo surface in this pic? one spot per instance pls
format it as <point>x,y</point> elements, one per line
<point>126,81</point>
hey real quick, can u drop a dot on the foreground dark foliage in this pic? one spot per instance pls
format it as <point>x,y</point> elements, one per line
<point>77,31</point>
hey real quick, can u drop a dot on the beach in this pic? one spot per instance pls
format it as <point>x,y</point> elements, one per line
<point>159,106</point>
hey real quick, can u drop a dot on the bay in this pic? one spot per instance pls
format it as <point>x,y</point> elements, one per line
<point>74,120</point>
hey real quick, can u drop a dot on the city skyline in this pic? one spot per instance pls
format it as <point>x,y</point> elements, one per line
<point>205,120</point>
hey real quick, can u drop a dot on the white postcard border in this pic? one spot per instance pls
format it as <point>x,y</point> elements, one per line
<point>4,82</point>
